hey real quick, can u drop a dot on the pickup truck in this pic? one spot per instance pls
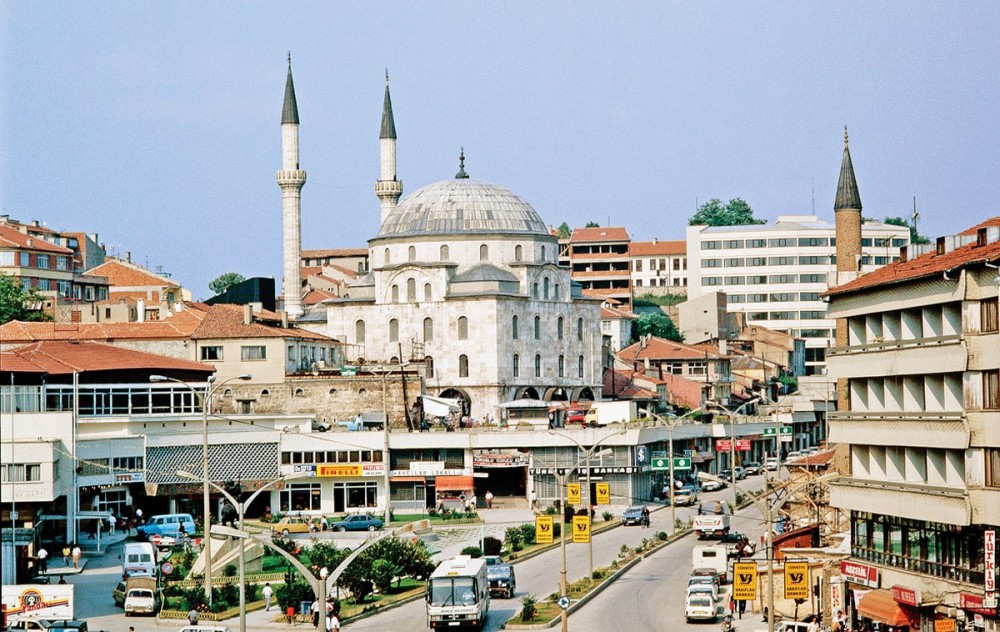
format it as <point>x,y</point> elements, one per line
<point>142,595</point>
<point>712,525</point>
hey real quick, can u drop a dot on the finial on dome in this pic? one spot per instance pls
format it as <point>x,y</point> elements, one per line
<point>845,136</point>
<point>461,175</point>
<point>386,77</point>
<point>289,60</point>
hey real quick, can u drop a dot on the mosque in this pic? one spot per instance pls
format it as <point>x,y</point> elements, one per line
<point>464,281</point>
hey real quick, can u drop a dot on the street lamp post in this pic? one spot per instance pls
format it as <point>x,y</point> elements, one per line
<point>768,511</point>
<point>323,573</point>
<point>385,437</point>
<point>240,508</point>
<point>732,439</point>
<point>670,421</point>
<point>206,402</point>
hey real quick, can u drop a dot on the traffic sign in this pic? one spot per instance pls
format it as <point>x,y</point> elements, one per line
<point>745,580</point>
<point>166,568</point>
<point>604,493</point>
<point>573,493</point>
<point>796,580</point>
<point>725,445</point>
<point>543,529</point>
<point>563,602</point>
<point>680,463</point>
<point>581,529</point>
<point>774,430</point>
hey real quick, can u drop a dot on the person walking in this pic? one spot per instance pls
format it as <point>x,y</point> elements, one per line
<point>65,554</point>
<point>76,555</point>
<point>267,596</point>
<point>193,617</point>
<point>314,609</point>
<point>112,521</point>
<point>489,499</point>
<point>43,560</point>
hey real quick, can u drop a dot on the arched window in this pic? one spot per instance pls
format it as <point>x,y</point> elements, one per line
<point>484,253</point>
<point>298,393</point>
<point>543,253</point>
<point>556,292</point>
<point>518,253</point>
<point>362,391</point>
<point>428,367</point>
<point>513,327</point>
<point>463,328</point>
<point>411,290</point>
<point>265,393</point>
<point>359,332</point>
<point>393,330</point>
<point>385,256</point>
<point>411,253</point>
<point>538,328</point>
<point>545,289</point>
<point>559,328</point>
<point>534,291</point>
<point>395,293</point>
<point>444,253</point>
<point>463,365</point>
<point>427,291</point>
<point>228,392</point>
<point>562,366</point>
<point>538,365</point>
<point>579,329</point>
<point>428,330</point>
<point>332,391</point>
<point>579,366</point>
<point>517,365</point>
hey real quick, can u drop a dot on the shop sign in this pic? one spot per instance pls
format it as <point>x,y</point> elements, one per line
<point>905,595</point>
<point>745,581</point>
<point>944,625</point>
<point>725,445</point>
<point>339,471</point>
<point>372,469</point>
<point>573,493</point>
<point>975,603</point>
<point>543,529</point>
<point>836,594</point>
<point>603,493</point>
<point>426,468</point>
<point>308,469</point>
<point>990,559</point>
<point>621,469</point>
<point>581,529</point>
<point>796,580</point>
<point>425,473</point>
<point>130,477</point>
<point>500,459</point>
<point>859,573</point>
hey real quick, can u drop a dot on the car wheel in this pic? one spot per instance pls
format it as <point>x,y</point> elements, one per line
<point>371,527</point>
<point>284,532</point>
<point>341,528</point>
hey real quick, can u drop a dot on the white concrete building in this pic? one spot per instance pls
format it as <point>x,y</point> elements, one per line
<point>659,267</point>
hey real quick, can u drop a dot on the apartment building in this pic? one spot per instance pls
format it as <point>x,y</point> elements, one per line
<point>599,260</point>
<point>918,366</point>
<point>659,267</point>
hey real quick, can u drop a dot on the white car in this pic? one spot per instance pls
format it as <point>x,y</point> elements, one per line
<point>702,588</point>
<point>699,607</point>
<point>711,486</point>
<point>771,463</point>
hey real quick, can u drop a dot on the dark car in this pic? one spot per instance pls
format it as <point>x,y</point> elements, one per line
<point>118,594</point>
<point>753,468</point>
<point>632,516</point>
<point>737,544</point>
<point>357,522</point>
<point>68,626</point>
<point>502,580</point>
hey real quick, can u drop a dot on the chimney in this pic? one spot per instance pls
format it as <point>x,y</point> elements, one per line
<point>140,311</point>
<point>128,256</point>
<point>247,314</point>
<point>284,319</point>
<point>30,243</point>
<point>903,252</point>
<point>656,240</point>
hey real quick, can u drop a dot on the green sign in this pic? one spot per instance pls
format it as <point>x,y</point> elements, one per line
<point>772,431</point>
<point>680,463</point>
<point>786,430</point>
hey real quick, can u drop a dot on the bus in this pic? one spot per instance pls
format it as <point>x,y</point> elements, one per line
<point>458,594</point>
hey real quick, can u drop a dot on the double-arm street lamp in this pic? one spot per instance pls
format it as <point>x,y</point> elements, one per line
<point>768,511</point>
<point>206,402</point>
<point>732,437</point>
<point>670,421</point>
<point>240,508</point>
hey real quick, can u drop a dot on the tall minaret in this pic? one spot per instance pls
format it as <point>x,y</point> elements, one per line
<point>847,211</point>
<point>291,179</point>
<point>388,188</point>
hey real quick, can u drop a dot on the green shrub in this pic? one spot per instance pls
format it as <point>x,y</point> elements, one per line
<point>608,516</point>
<point>528,533</point>
<point>230,570</point>
<point>472,551</point>
<point>551,510</point>
<point>529,608</point>
<point>661,536</point>
<point>290,595</point>
<point>492,546</point>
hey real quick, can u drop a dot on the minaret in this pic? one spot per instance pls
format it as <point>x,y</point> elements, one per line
<point>291,179</point>
<point>387,188</point>
<point>847,211</point>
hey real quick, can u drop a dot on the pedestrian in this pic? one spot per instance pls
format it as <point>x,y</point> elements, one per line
<point>267,596</point>
<point>112,521</point>
<point>489,499</point>
<point>332,623</point>
<point>765,614</point>
<point>838,621</point>
<point>131,629</point>
<point>701,509</point>
<point>813,624</point>
<point>193,617</point>
<point>314,609</point>
<point>43,560</point>
<point>65,554</point>
<point>76,555</point>
<point>741,606</point>
<point>138,516</point>
<point>645,517</point>
<point>62,579</point>
<point>732,605</point>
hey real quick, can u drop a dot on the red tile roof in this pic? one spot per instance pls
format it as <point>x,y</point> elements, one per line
<point>607,312</point>
<point>664,248</point>
<point>62,357</point>
<point>619,384</point>
<point>611,233</point>
<point>315,296</point>
<point>168,329</point>
<point>819,459</point>
<point>334,252</point>
<point>226,321</point>
<point>123,274</point>
<point>991,222</point>
<point>926,265</point>
<point>663,349</point>
<point>13,238</point>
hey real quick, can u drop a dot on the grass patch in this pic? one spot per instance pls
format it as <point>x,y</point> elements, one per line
<point>407,588</point>
<point>545,611</point>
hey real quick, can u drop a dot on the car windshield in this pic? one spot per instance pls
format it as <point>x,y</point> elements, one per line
<point>705,602</point>
<point>452,591</point>
<point>141,594</point>
<point>498,571</point>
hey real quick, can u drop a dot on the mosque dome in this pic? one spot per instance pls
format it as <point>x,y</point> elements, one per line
<point>462,206</point>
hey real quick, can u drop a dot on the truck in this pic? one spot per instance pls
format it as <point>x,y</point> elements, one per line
<point>714,524</point>
<point>458,594</point>
<point>712,556</point>
<point>27,603</point>
<point>142,595</point>
<point>604,413</point>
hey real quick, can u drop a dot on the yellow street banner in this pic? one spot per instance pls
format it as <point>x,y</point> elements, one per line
<point>745,580</point>
<point>604,493</point>
<point>581,529</point>
<point>573,493</point>
<point>543,529</point>
<point>796,580</point>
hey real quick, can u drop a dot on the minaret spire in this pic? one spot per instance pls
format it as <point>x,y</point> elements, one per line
<point>847,210</point>
<point>291,179</point>
<point>847,188</point>
<point>387,188</point>
<point>461,175</point>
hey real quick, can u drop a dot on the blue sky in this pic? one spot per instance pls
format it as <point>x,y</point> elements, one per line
<point>156,124</point>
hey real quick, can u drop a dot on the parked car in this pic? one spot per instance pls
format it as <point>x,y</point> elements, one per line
<point>699,607</point>
<point>703,589</point>
<point>709,580</point>
<point>738,543</point>
<point>711,486</point>
<point>771,463</point>
<point>166,524</point>
<point>791,456</point>
<point>740,473</point>
<point>493,559</point>
<point>292,524</point>
<point>753,468</point>
<point>576,414</point>
<point>67,626</point>
<point>632,516</point>
<point>322,425</point>
<point>357,522</point>
<point>502,579</point>
<point>118,594</point>
<point>685,497</point>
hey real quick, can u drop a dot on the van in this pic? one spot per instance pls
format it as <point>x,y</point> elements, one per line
<point>712,556</point>
<point>139,558</point>
<point>167,524</point>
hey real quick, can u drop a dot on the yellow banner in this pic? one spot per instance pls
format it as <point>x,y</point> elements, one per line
<point>796,580</point>
<point>339,471</point>
<point>543,529</point>
<point>944,625</point>
<point>745,581</point>
<point>573,493</point>
<point>604,493</point>
<point>581,529</point>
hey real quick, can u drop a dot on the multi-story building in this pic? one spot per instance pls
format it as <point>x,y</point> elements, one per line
<point>599,260</point>
<point>918,365</point>
<point>662,357</point>
<point>152,293</point>
<point>659,267</point>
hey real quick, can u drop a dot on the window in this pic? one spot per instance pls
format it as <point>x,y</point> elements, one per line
<point>443,253</point>
<point>756,261</point>
<point>545,288</point>
<point>696,368</point>
<point>813,261</point>
<point>211,353</point>
<point>579,329</point>
<point>638,265</point>
<point>677,264</point>
<point>559,328</point>
<point>411,290</point>
<point>516,365</point>
<point>735,280</point>
<point>43,285</point>
<point>411,253</point>
<point>784,242</point>
<point>43,261</point>
<point>393,330</point>
<point>25,260</point>
<point>427,291</point>
<point>518,253</point>
<point>881,242</point>
<point>737,298</point>
<point>395,293</point>
<point>359,332</point>
<point>781,261</point>
<point>784,278</point>
<point>555,294</point>
<point>866,242</point>
<point>898,243</point>
<point>265,393</point>
<point>513,327</point>
<point>579,366</point>
<point>94,467</point>
<point>782,315</point>
<point>712,281</point>
<point>756,243</point>
<point>543,253</point>
<point>812,315</point>
<point>736,262</point>
<point>463,365</point>
<point>484,253</point>
<point>809,296</point>
<point>385,256</point>
<point>301,497</point>
<point>538,365</point>
<point>988,314</point>
<point>991,390</point>
<point>813,242</point>
<point>538,328</point>
<point>428,367</point>
<point>881,261</point>
<point>428,329</point>
<point>756,298</point>
<point>534,291</point>
<point>463,328</point>
<point>562,362</point>
<point>6,258</point>
<point>784,297</point>
<point>298,393</point>
<point>253,352</point>
<point>62,262</point>
<point>63,287</point>
<point>711,263</point>
<point>732,243</point>
<point>812,278</point>
<point>28,472</point>
<point>711,245</point>
<point>756,315</point>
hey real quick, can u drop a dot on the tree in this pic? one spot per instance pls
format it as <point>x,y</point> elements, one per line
<point>16,303</point>
<point>915,237</point>
<point>225,281</point>
<point>658,325</point>
<point>564,231</point>
<point>592,225</point>
<point>735,212</point>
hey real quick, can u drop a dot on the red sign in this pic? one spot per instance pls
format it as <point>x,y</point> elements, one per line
<point>859,573</point>
<point>743,445</point>
<point>990,560</point>
<point>724,445</point>
<point>902,594</point>
<point>974,603</point>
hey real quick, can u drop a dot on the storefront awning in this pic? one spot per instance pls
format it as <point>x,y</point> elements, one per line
<point>878,605</point>
<point>407,479</point>
<point>453,483</point>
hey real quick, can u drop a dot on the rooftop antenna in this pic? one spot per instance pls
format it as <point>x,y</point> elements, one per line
<point>814,194</point>
<point>914,218</point>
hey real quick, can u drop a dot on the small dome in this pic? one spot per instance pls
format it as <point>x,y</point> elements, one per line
<point>462,206</point>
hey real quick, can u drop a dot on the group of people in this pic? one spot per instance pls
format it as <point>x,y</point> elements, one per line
<point>331,622</point>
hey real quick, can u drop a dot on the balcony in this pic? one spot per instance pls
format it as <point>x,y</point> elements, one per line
<point>985,502</point>
<point>984,351</point>
<point>943,354</point>
<point>947,505</point>
<point>928,430</point>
